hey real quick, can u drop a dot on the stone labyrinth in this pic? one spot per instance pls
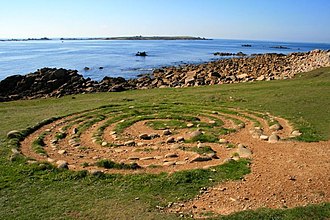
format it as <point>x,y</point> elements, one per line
<point>153,139</point>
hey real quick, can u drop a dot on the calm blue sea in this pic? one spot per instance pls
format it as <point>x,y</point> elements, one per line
<point>118,57</point>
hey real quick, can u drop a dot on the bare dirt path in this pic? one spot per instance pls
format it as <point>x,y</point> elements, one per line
<point>283,174</point>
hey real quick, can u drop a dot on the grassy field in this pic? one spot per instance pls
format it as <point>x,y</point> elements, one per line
<point>43,192</point>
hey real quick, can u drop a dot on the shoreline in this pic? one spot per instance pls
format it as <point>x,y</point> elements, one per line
<point>53,82</point>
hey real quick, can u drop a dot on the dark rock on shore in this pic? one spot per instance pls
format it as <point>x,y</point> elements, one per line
<point>280,47</point>
<point>224,54</point>
<point>141,54</point>
<point>52,82</point>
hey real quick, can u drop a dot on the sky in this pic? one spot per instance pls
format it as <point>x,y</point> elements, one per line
<point>274,20</point>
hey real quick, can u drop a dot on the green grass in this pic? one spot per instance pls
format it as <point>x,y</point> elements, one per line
<point>204,138</point>
<point>201,150</point>
<point>171,124</point>
<point>108,164</point>
<point>39,191</point>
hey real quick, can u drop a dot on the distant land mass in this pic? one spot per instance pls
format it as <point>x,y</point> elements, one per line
<point>114,38</point>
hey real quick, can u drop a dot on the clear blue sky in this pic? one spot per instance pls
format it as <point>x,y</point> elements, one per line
<point>280,20</point>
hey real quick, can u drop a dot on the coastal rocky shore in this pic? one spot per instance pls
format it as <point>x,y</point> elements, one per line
<point>52,82</point>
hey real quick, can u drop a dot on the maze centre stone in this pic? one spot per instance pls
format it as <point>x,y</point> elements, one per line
<point>137,141</point>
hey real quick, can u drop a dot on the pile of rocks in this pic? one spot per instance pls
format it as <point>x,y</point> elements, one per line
<point>245,69</point>
<point>51,82</point>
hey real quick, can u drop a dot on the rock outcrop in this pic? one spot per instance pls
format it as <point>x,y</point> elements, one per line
<point>51,82</point>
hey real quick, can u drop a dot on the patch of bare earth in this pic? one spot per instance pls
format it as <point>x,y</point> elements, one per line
<point>284,174</point>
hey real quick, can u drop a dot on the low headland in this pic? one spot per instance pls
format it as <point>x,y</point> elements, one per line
<point>113,38</point>
<point>52,82</point>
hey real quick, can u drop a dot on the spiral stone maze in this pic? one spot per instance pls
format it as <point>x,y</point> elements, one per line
<point>152,139</point>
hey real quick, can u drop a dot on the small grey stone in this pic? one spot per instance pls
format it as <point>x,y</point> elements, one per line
<point>223,141</point>
<point>153,136</point>
<point>129,143</point>
<point>296,133</point>
<point>244,152</point>
<point>276,127</point>
<point>96,172</point>
<point>195,134</point>
<point>181,162</point>
<point>201,145</point>
<point>61,152</point>
<point>104,143</point>
<point>273,138</point>
<point>167,132</point>
<point>74,130</point>
<point>13,134</point>
<point>175,146</point>
<point>144,136</point>
<point>171,155</point>
<point>170,140</point>
<point>263,137</point>
<point>50,160</point>
<point>140,144</point>
<point>133,158</point>
<point>241,125</point>
<point>61,164</point>
<point>200,158</point>
<point>190,125</point>
<point>147,158</point>
<point>14,151</point>
<point>170,163</point>
<point>180,139</point>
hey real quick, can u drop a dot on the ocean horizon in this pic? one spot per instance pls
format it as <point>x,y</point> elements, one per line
<point>116,58</point>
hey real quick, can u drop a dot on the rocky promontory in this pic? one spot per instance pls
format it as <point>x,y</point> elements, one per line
<point>52,82</point>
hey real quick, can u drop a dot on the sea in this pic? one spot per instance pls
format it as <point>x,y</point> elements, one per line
<point>116,58</point>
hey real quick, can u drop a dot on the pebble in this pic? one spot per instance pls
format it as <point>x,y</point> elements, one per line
<point>201,145</point>
<point>61,164</point>
<point>273,138</point>
<point>95,172</point>
<point>200,158</point>
<point>170,163</point>
<point>195,134</point>
<point>129,143</point>
<point>167,132</point>
<point>276,127</point>
<point>296,133</point>
<point>13,134</point>
<point>104,143</point>
<point>61,152</point>
<point>223,141</point>
<point>147,158</point>
<point>263,137</point>
<point>144,136</point>
<point>190,125</point>
<point>170,140</point>
<point>175,146</point>
<point>244,152</point>
<point>171,155</point>
<point>133,158</point>
<point>50,160</point>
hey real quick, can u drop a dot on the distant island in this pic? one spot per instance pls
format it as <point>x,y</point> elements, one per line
<point>141,38</point>
<point>27,39</point>
<point>114,38</point>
